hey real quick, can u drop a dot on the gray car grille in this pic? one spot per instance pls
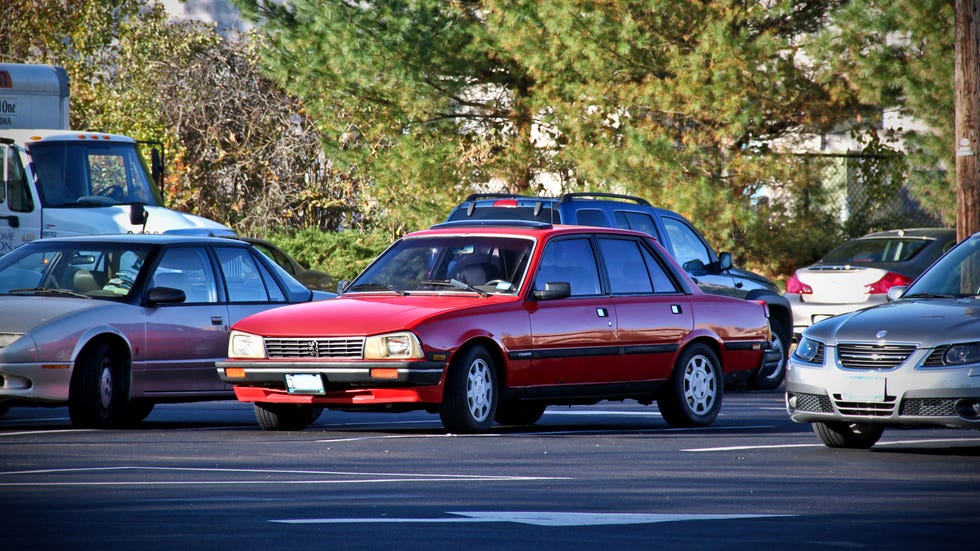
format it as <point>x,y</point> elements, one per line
<point>340,347</point>
<point>873,356</point>
<point>813,402</point>
<point>865,409</point>
<point>931,407</point>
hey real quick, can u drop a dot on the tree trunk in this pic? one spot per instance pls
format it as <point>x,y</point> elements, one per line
<point>967,117</point>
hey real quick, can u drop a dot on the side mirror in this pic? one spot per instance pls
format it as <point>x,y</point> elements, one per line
<point>554,290</point>
<point>896,292</point>
<point>725,261</point>
<point>137,214</point>
<point>157,164</point>
<point>341,285</point>
<point>165,295</point>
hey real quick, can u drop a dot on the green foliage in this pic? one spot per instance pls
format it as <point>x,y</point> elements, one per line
<point>898,54</point>
<point>341,254</point>
<point>674,101</point>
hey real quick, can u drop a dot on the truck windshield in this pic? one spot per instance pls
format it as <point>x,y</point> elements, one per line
<point>91,174</point>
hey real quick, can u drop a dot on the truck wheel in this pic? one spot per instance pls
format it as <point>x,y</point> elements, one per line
<point>285,416</point>
<point>847,435</point>
<point>469,400</point>
<point>98,391</point>
<point>692,396</point>
<point>771,375</point>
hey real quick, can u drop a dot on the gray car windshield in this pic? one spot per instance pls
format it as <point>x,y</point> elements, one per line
<point>956,274</point>
<point>448,263</point>
<point>75,270</point>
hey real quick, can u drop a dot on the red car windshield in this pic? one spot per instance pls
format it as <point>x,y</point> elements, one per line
<point>439,263</point>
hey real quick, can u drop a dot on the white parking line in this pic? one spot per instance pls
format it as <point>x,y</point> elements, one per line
<point>542,518</point>
<point>356,477</point>
<point>818,445</point>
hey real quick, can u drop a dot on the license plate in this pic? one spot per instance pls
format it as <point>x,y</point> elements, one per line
<point>304,383</point>
<point>864,388</point>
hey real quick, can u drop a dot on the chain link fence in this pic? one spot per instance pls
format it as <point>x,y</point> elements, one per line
<point>863,193</point>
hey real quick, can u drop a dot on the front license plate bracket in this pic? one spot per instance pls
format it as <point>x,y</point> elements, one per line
<point>304,383</point>
<point>864,388</point>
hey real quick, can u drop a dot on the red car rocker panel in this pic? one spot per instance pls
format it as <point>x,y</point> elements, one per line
<point>496,321</point>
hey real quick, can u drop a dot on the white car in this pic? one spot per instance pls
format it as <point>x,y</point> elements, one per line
<point>858,273</point>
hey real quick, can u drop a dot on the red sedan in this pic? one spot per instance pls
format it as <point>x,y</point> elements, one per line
<point>494,322</point>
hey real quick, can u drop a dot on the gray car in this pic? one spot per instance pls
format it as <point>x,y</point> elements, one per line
<point>111,325</point>
<point>912,362</point>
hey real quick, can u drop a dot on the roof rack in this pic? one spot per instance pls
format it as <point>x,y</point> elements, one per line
<point>493,223</point>
<point>596,194</point>
<point>478,196</point>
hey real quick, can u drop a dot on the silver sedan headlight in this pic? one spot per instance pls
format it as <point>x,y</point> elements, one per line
<point>809,351</point>
<point>245,345</point>
<point>6,339</point>
<point>962,354</point>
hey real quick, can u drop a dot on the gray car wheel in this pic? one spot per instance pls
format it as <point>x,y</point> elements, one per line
<point>847,435</point>
<point>98,391</point>
<point>469,400</point>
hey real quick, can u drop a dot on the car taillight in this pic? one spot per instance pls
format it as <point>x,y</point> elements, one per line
<point>794,285</point>
<point>886,282</point>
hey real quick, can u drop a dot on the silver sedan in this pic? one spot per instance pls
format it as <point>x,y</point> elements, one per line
<point>912,362</point>
<point>111,325</point>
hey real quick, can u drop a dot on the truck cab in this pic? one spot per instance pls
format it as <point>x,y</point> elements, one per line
<point>57,182</point>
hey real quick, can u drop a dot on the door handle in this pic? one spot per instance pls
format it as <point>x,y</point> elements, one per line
<point>217,320</point>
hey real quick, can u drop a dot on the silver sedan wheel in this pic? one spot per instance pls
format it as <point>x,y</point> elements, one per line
<point>479,390</point>
<point>105,384</point>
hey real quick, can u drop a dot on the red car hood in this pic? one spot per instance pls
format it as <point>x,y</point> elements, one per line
<point>360,315</point>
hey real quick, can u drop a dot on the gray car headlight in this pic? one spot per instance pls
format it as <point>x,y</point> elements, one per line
<point>808,350</point>
<point>6,339</point>
<point>961,354</point>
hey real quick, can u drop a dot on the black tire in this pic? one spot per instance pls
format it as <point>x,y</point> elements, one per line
<point>469,400</point>
<point>769,379</point>
<point>856,436</point>
<point>519,413</point>
<point>285,416</point>
<point>137,411</point>
<point>692,396</point>
<point>99,388</point>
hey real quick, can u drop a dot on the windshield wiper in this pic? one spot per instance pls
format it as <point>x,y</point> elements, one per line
<point>456,284</point>
<point>930,295</point>
<point>375,287</point>
<point>46,291</point>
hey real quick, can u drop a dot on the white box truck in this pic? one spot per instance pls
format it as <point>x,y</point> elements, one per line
<point>61,182</point>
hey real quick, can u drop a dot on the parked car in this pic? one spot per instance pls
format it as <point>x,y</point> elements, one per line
<point>111,325</point>
<point>311,279</point>
<point>858,273</point>
<point>495,322</point>
<point>713,272</point>
<point>913,362</point>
